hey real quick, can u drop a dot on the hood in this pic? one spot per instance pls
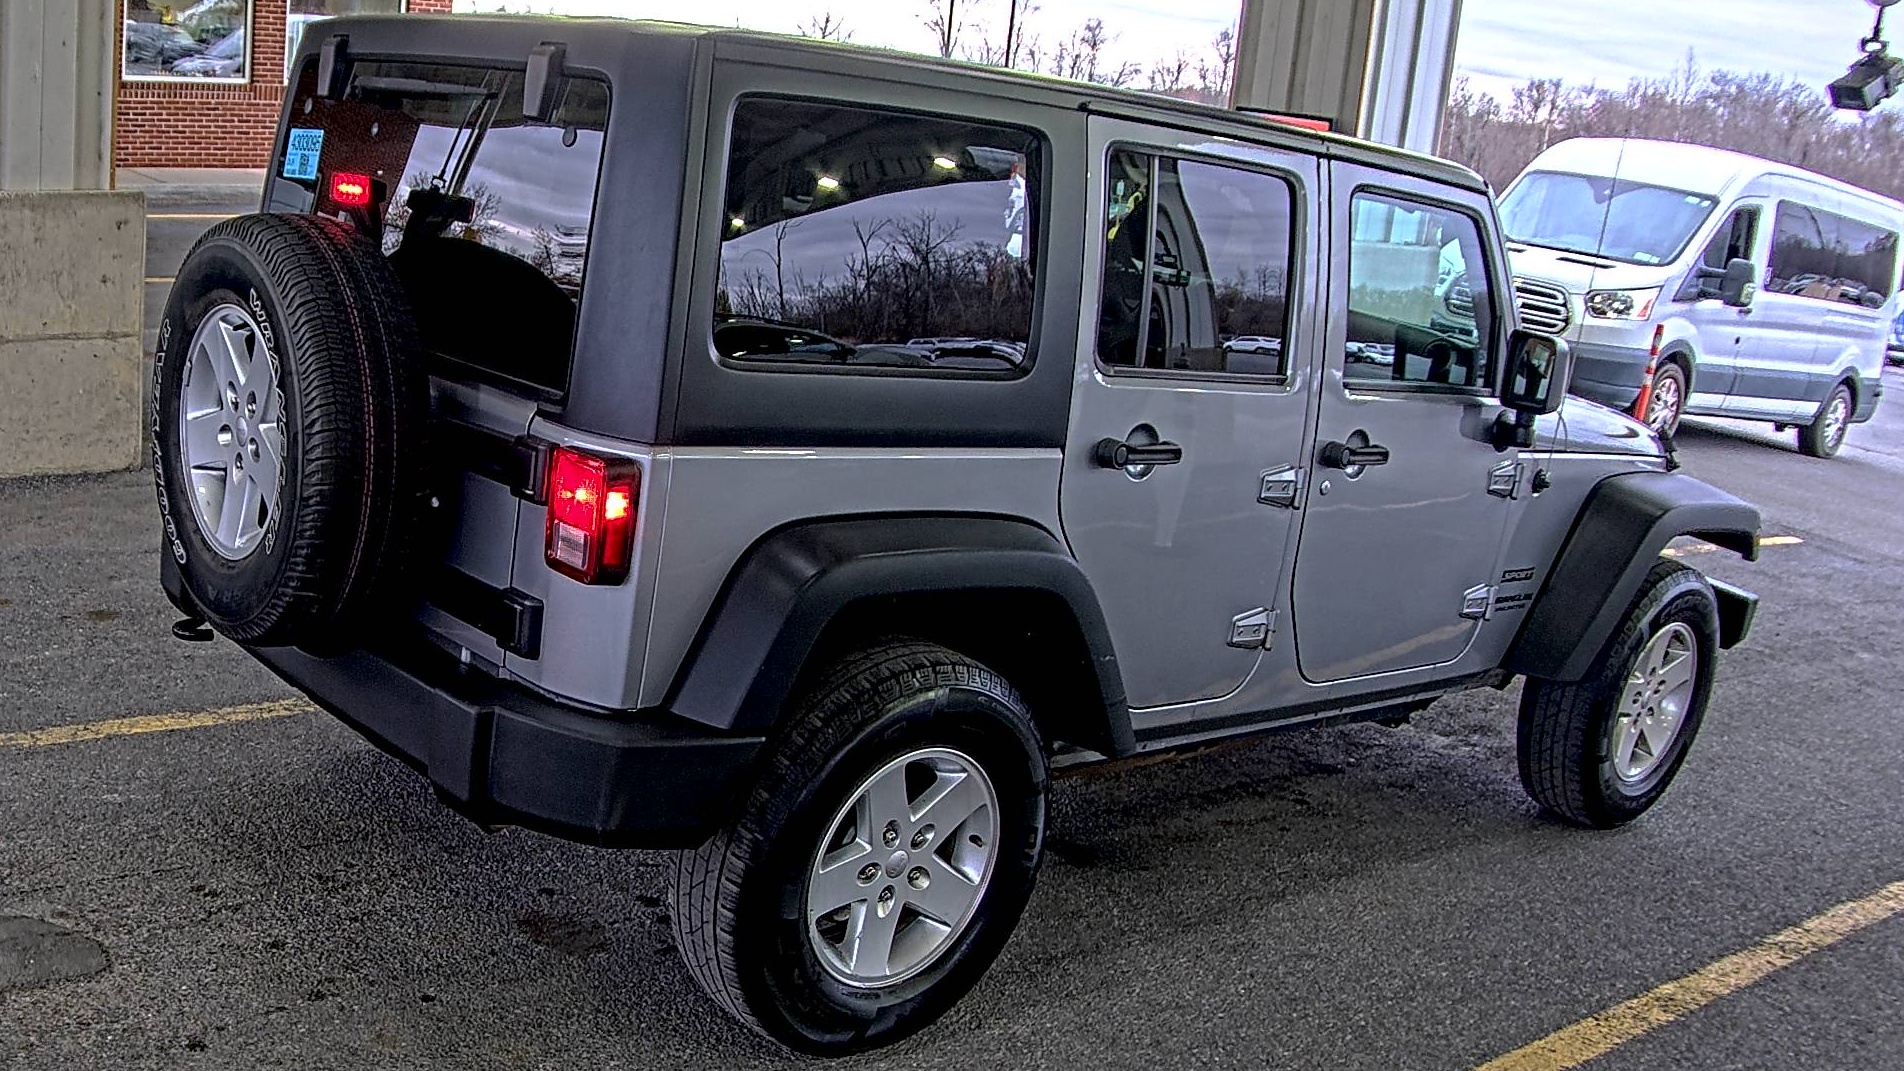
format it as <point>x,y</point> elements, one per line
<point>1592,428</point>
<point>1579,272</point>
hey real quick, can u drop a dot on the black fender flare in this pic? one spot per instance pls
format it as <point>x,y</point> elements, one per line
<point>784,591</point>
<point>1622,527</point>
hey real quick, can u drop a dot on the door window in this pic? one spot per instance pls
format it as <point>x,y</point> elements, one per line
<point>1735,240</point>
<point>1421,310</point>
<point>1828,257</point>
<point>1197,259</point>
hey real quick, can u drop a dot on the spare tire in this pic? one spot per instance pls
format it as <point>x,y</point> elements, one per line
<point>289,403</point>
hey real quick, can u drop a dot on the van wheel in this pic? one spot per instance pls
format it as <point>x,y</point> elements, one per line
<point>1601,751</point>
<point>1824,436</point>
<point>1669,400</point>
<point>288,404</point>
<point>881,862</point>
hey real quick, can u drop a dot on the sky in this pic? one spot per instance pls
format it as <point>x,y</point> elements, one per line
<point>1502,42</point>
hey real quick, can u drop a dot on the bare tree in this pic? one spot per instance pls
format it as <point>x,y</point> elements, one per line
<point>942,18</point>
<point>826,26</point>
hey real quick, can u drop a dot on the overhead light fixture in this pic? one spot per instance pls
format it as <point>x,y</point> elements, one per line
<point>1875,77</point>
<point>945,163</point>
<point>828,182</point>
<point>737,223</point>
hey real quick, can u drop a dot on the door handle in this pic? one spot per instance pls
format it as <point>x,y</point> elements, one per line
<point>1339,455</point>
<point>1123,454</point>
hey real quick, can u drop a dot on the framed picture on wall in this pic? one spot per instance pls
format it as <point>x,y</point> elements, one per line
<point>187,41</point>
<point>305,12</point>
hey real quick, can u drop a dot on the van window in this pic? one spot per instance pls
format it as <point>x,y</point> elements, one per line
<point>1822,255</point>
<point>869,239</point>
<point>1421,309</point>
<point>1196,267</point>
<point>1603,217</point>
<point>485,215</point>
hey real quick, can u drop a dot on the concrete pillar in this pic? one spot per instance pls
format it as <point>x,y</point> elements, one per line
<point>72,252</point>
<point>57,74</point>
<point>1376,68</point>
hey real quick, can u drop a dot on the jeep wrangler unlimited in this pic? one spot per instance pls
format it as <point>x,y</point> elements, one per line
<point>790,453</point>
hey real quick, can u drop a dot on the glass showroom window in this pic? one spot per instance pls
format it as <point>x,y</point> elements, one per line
<point>305,12</point>
<point>187,40</point>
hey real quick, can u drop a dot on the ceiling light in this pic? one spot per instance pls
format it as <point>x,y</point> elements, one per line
<point>945,163</point>
<point>828,182</point>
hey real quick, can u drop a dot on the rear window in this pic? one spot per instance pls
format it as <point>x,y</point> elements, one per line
<point>485,216</point>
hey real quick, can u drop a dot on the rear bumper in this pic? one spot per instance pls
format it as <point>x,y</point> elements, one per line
<point>503,755</point>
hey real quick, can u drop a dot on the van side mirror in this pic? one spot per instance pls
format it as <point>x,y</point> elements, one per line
<point>1533,384</point>
<point>1739,285</point>
<point>542,81</point>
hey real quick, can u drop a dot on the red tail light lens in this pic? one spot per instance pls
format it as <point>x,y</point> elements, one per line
<point>350,190</point>
<point>591,533</point>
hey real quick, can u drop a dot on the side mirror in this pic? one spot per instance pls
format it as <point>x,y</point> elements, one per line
<point>542,81</point>
<point>1739,285</point>
<point>1533,384</point>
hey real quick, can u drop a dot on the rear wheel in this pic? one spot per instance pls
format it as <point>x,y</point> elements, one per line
<point>1669,400</point>
<point>1825,435</point>
<point>881,863</point>
<point>1601,751</point>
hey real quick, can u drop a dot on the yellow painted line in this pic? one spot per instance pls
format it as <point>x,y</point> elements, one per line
<point>1703,547</point>
<point>153,723</point>
<point>191,215</point>
<point>1600,1034</point>
<point>160,278</point>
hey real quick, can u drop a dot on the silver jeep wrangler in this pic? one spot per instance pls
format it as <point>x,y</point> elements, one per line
<point>790,453</point>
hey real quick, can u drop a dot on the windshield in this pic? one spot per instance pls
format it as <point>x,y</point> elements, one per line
<point>1604,217</point>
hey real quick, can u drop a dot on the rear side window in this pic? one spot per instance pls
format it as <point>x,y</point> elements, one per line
<point>485,215</point>
<point>1421,310</point>
<point>1828,257</point>
<point>1196,267</point>
<point>859,238</point>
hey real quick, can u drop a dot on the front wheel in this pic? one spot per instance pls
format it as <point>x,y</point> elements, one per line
<point>1825,435</point>
<point>881,863</point>
<point>1601,751</point>
<point>1668,402</point>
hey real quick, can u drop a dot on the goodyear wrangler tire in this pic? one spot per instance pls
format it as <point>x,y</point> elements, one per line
<point>287,407</point>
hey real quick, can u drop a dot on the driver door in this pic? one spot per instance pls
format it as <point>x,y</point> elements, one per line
<point>1408,500</point>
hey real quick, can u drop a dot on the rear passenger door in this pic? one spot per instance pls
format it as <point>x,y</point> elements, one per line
<point>1398,554</point>
<point>1190,410</point>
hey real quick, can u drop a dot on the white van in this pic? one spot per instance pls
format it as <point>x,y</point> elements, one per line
<point>1709,282</point>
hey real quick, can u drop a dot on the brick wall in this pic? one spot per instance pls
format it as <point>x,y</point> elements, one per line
<point>178,124</point>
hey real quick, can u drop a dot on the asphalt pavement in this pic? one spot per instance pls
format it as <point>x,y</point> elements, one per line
<point>274,892</point>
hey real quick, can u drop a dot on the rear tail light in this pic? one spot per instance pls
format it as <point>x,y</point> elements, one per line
<point>351,190</point>
<point>591,532</point>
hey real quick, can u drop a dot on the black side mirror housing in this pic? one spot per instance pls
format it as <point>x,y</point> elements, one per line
<point>542,81</point>
<point>1739,285</point>
<point>1533,384</point>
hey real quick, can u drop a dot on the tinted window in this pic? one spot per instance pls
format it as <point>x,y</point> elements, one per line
<point>1420,306</point>
<point>1195,276</point>
<point>485,215</point>
<point>1602,216</point>
<point>858,237</point>
<point>1734,241</point>
<point>1821,255</point>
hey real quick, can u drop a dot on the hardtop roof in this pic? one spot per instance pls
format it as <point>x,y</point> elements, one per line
<point>1128,102</point>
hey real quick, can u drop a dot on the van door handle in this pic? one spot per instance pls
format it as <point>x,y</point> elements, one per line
<point>1122,454</point>
<point>1339,455</point>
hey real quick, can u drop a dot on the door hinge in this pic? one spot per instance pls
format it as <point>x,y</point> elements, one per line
<point>1504,480</point>
<point>1257,628</point>
<point>1282,486</point>
<point>1477,602</point>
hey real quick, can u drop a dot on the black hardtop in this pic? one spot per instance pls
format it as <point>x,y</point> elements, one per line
<point>510,37</point>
